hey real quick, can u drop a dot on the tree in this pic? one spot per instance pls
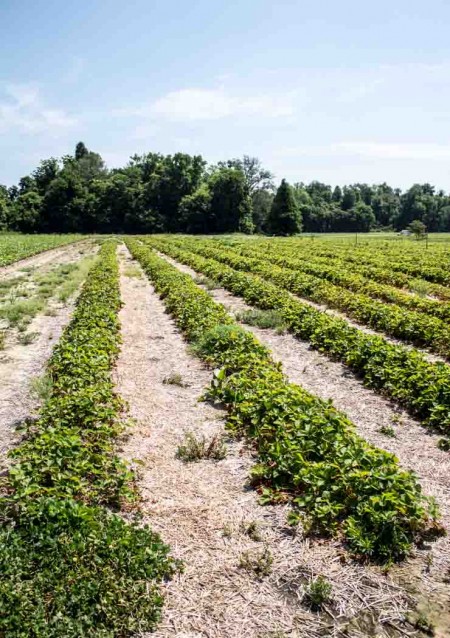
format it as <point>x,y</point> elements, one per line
<point>26,213</point>
<point>417,228</point>
<point>257,177</point>
<point>4,207</point>
<point>231,206</point>
<point>261,202</point>
<point>195,212</point>
<point>284,218</point>
<point>80,151</point>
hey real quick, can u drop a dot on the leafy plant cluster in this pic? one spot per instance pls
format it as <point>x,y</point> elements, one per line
<point>398,372</point>
<point>308,451</point>
<point>70,567</point>
<point>14,247</point>
<point>407,325</point>
<point>431,265</point>
<point>341,275</point>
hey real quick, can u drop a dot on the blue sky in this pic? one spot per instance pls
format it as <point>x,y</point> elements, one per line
<point>337,91</point>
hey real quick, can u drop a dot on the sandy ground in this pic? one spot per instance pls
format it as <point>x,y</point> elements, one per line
<point>20,364</point>
<point>202,509</point>
<point>415,447</point>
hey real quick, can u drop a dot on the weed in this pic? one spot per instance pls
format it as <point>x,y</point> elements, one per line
<point>27,337</point>
<point>227,531</point>
<point>420,287</point>
<point>41,387</point>
<point>175,378</point>
<point>21,312</point>
<point>424,624</point>
<point>133,271</point>
<point>194,449</point>
<point>252,530</point>
<point>263,319</point>
<point>206,282</point>
<point>260,562</point>
<point>444,444</point>
<point>318,592</point>
<point>387,430</point>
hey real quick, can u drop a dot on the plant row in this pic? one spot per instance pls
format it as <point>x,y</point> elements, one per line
<point>308,451</point>
<point>412,327</point>
<point>378,270</point>
<point>431,266</point>
<point>339,274</point>
<point>70,567</point>
<point>401,373</point>
<point>15,247</point>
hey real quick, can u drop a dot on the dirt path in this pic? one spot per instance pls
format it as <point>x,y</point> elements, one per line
<point>203,509</point>
<point>415,447</point>
<point>20,364</point>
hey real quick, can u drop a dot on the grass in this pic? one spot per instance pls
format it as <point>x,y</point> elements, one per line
<point>206,282</point>
<point>387,430</point>
<point>133,271</point>
<point>194,448</point>
<point>63,281</point>
<point>175,378</point>
<point>318,592</point>
<point>41,387</point>
<point>259,562</point>
<point>252,530</point>
<point>27,337</point>
<point>263,319</point>
<point>21,312</point>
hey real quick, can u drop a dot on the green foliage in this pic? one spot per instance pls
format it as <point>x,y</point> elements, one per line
<point>308,451</point>
<point>263,319</point>
<point>318,592</point>
<point>284,217</point>
<point>403,374</point>
<point>15,247</point>
<point>70,567</point>
<point>417,228</point>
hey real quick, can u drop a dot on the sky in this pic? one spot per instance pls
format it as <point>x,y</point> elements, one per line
<point>340,92</point>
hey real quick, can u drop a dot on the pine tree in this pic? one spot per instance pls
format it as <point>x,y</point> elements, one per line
<point>284,217</point>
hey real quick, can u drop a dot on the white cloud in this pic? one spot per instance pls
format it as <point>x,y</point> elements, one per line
<point>189,105</point>
<point>375,150</point>
<point>25,111</point>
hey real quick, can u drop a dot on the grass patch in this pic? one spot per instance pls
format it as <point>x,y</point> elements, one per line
<point>175,378</point>
<point>133,271</point>
<point>259,562</point>
<point>20,313</point>
<point>194,449</point>
<point>263,319</point>
<point>318,592</point>
<point>206,282</point>
<point>41,387</point>
<point>387,430</point>
<point>27,337</point>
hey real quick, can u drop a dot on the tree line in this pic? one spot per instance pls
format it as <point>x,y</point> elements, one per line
<point>181,193</point>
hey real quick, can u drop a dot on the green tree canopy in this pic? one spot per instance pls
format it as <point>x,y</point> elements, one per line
<point>284,217</point>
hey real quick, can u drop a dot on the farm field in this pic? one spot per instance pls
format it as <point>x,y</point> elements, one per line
<point>224,436</point>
